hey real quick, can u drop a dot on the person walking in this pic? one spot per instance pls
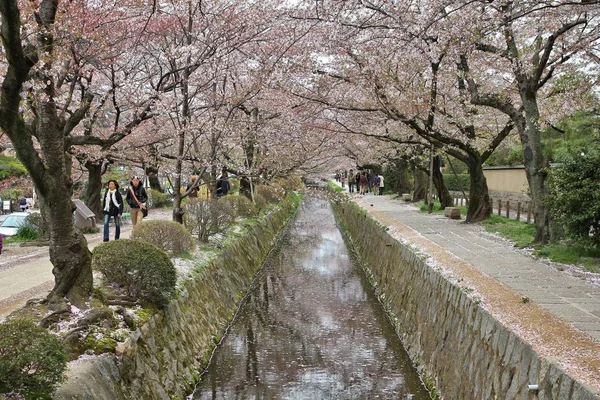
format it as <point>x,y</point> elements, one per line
<point>376,184</point>
<point>23,204</point>
<point>223,185</point>
<point>357,181</point>
<point>381,185</point>
<point>351,181</point>
<point>363,182</point>
<point>136,198</point>
<point>112,207</point>
<point>193,186</point>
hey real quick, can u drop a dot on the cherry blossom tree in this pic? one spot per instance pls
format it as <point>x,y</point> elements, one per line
<point>510,54</point>
<point>414,84</point>
<point>42,103</point>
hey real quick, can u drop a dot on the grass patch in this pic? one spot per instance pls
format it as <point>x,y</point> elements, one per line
<point>572,254</point>
<point>424,207</point>
<point>12,239</point>
<point>186,255</point>
<point>522,234</point>
<point>437,207</point>
<point>335,187</point>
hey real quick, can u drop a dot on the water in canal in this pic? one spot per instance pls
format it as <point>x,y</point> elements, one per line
<point>311,328</point>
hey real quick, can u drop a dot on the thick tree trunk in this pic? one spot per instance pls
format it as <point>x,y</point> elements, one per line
<point>421,181</point>
<point>93,195</point>
<point>49,167</point>
<point>480,206</point>
<point>69,252</point>
<point>152,174</point>
<point>177,209</point>
<point>403,177</point>
<point>245,187</point>
<point>440,186</point>
<point>535,168</point>
<point>400,169</point>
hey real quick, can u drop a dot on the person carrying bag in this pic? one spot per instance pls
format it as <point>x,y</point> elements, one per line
<point>136,198</point>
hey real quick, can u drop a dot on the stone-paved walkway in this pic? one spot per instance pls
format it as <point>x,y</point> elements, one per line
<point>576,300</point>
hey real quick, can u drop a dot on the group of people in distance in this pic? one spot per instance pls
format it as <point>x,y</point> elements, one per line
<point>363,182</point>
<point>201,190</point>
<point>136,197</point>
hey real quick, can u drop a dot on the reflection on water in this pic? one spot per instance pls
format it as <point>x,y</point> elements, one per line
<point>309,329</point>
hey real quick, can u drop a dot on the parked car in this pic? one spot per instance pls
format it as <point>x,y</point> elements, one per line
<point>11,224</point>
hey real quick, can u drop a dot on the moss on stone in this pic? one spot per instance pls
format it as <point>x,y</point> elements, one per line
<point>430,385</point>
<point>143,315</point>
<point>103,344</point>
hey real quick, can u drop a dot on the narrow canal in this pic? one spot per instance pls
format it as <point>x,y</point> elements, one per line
<point>311,327</point>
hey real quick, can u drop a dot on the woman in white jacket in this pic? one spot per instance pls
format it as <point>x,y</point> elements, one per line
<point>112,207</point>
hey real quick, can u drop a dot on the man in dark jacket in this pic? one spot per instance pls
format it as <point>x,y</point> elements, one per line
<point>136,198</point>
<point>223,185</point>
<point>112,207</point>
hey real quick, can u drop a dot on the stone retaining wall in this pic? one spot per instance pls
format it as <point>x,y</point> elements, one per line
<point>161,360</point>
<point>457,346</point>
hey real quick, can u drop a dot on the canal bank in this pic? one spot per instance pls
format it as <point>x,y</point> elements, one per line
<point>447,316</point>
<point>311,327</point>
<point>162,358</point>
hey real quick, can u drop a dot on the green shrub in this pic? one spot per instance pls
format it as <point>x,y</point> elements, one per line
<point>458,182</point>
<point>260,202</point>
<point>89,229</point>
<point>32,228</point>
<point>290,183</point>
<point>159,199</point>
<point>11,166</point>
<point>234,184</point>
<point>574,199</point>
<point>269,193</point>
<point>207,217</point>
<point>35,219</point>
<point>28,231</point>
<point>169,236</point>
<point>241,205</point>
<point>12,194</point>
<point>142,269</point>
<point>32,360</point>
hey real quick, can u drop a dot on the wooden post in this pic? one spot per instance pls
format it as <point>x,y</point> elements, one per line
<point>500,207</point>
<point>519,211</point>
<point>507,209</point>
<point>528,213</point>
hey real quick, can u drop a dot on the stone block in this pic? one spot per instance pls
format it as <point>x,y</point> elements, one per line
<point>406,197</point>
<point>452,212</point>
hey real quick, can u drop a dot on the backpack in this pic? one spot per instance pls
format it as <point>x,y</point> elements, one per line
<point>23,202</point>
<point>376,180</point>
